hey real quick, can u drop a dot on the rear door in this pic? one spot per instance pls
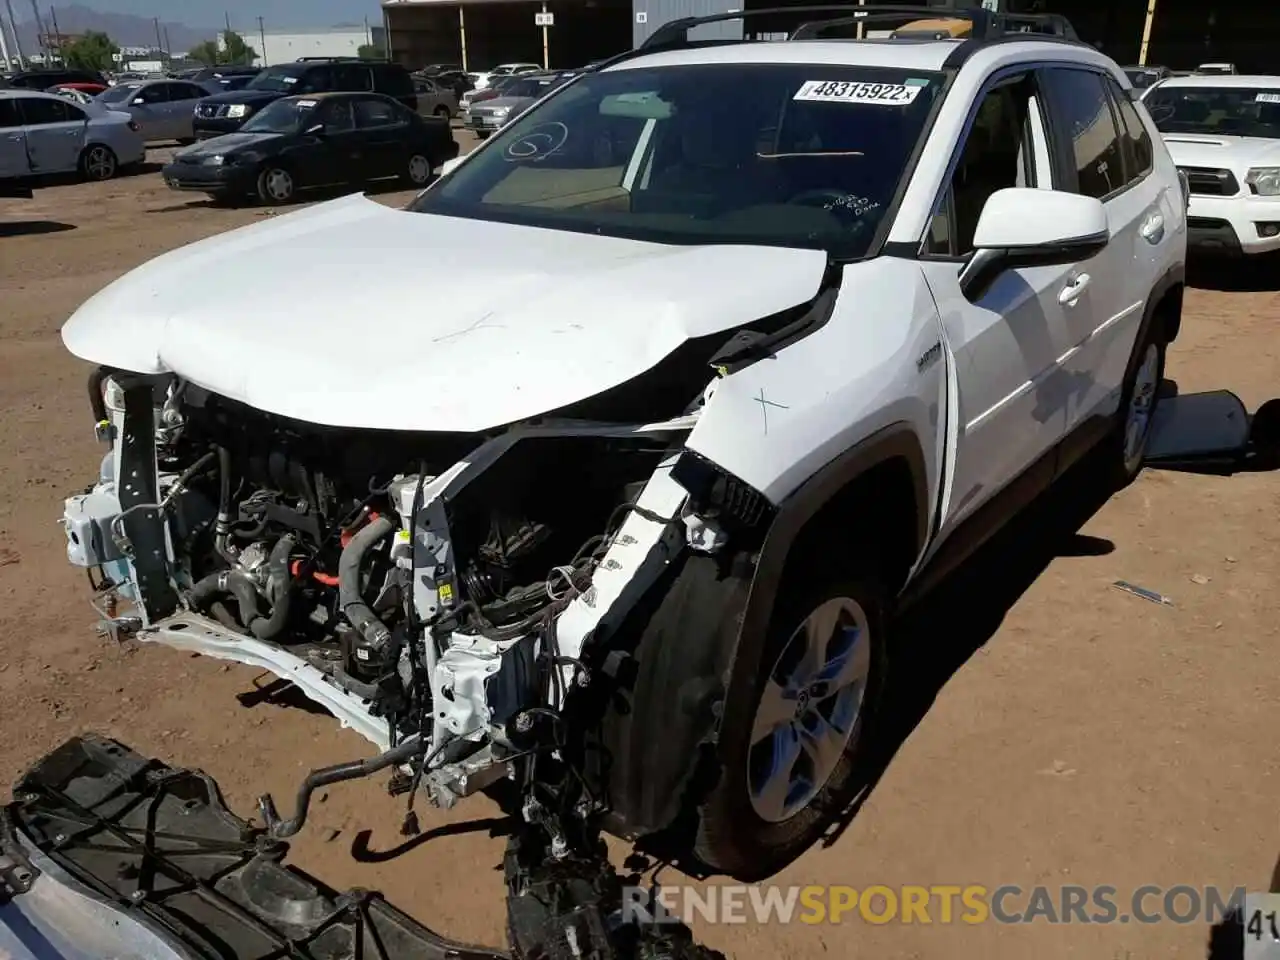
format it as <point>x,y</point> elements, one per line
<point>383,129</point>
<point>55,131</point>
<point>13,141</point>
<point>1103,323</point>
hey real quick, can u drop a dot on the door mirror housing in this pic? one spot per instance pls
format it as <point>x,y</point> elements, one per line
<point>315,130</point>
<point>138,102</point>
<point>1025,227</point>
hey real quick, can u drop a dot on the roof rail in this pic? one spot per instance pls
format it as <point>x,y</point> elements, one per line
<point>985,24</point>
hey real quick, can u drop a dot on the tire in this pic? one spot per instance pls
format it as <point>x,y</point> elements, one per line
<point>98,162</point>
<point>1126,447</point>
<point>755,820</point>
<point>185,142</point>
<point>276,185</point>
<point>418,170</point>
<point>442,112</point>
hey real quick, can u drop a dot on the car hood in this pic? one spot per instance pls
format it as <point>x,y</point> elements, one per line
<point>1207,150</point>
<point>244,95</point>
<point>225,144</point>
<point>353,314</point>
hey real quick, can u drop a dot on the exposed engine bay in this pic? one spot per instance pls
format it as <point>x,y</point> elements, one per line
<point>433,591</point>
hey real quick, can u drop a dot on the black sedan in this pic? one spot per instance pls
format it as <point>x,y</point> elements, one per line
<point>307,142</point>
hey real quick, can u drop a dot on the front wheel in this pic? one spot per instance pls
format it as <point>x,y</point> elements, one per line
<point>98,162</point>
<point>796,761</point>
<point>276,185</point>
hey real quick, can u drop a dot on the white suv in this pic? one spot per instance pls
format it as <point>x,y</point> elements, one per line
<point>662,401</point>
<point>1224,134</point>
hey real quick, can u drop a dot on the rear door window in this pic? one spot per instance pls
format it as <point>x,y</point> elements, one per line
<point>372,113</point>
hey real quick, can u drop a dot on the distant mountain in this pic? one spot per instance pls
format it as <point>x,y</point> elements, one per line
<point>124,30</point>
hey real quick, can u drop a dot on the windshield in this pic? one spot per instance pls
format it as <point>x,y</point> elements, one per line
<point>281,81</point>
<point>776,154</point>
<point>1216,111</point>
<point>118,93</point>
<point>282,116</point>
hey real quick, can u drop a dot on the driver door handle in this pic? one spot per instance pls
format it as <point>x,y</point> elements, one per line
<point>1075,286</point>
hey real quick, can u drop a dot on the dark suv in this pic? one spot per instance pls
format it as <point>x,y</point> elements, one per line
<point>226,112</point>
<point>44,79</point>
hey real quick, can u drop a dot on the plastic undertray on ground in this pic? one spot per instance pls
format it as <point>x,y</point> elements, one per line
<point>105,853</point>
<point>1211,432</point>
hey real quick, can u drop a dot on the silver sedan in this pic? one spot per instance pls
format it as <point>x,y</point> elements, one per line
<point>163,108</point>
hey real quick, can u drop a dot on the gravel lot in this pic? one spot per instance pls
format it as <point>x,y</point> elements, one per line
<point>1055,730</point>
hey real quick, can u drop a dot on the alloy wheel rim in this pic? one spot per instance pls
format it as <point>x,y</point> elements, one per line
<point>419,169</point>
<point>808,709</point>
<point>279,184</point>
<point>1141,405</point>
<point>99,163</point>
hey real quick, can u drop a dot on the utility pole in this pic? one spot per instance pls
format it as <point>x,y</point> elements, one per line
<point>159,41</point>
<point>57,34</point>
<point>262,38</point>
<point>17,43</point>
<point>41,34</point>
<point>4,46</point>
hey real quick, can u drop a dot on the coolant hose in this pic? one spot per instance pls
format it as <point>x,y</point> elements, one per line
<point>205,590</point>
<point>279,589</point>
<point>360,615</point>
<point>222,529</point>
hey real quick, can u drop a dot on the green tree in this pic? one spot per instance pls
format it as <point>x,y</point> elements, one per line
<point>235,50</point>
<point>206,53</point>
<point>371,51</point>
<point>92,51</point>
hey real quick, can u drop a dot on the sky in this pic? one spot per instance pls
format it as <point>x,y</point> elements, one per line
<point>276,14</point>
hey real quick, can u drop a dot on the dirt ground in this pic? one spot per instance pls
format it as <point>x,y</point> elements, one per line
<point>1054,729</point>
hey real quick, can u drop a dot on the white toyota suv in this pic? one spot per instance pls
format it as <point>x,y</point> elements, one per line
<point>658,405</point>
<point>1224,134</point>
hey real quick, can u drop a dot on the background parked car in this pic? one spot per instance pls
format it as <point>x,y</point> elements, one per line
<point>307,142</point>
<point>516,97</point>
<point>449,76</point>
<point>435,100</point>
<point>481,94</point>
<point>226,112</point>
<point>44,79</point>
<point>165,109</point>
<point>224,72</point>
<point>486,78</point>
<point>43,133</point>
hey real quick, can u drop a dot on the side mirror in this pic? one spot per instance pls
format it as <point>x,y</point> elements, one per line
<point>138,102</point>
<point>449,166</point>
<point>1024,227</point>
<point>315,130</point>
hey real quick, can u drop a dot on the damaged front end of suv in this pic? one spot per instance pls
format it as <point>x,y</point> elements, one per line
<point>436,593</point>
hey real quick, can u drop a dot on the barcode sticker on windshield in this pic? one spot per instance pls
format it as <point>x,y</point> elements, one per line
<point>844,91</point>
<point>1267,98</point>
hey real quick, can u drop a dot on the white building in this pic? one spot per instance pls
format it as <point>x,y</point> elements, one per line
<point>288,46</point>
